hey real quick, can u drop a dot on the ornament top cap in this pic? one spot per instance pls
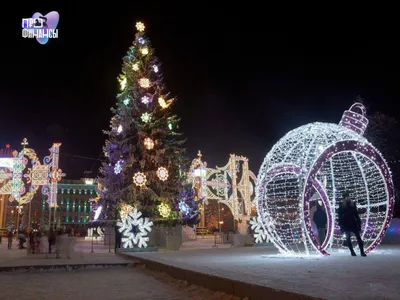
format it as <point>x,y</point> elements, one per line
<point>355,118</point>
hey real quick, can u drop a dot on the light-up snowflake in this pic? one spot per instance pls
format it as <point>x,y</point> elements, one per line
<point>145,51</point>
<point>134,229</point>
<point>146,117</point>
<point>259,232</point>
<point>118,167</point>
<point>144,83</point>
<point>155,68</point>
<point>162,102</point>
<point>162,173</point>
<point>164,210</point>
<point>139,179</point>
<point>125,210</point>
<point>126,101</point>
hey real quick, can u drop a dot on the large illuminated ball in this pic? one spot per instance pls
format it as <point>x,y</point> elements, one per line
<point>318,162</point>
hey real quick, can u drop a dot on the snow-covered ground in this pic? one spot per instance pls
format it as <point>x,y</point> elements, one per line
<point>336,277</point>
<point>101,283</point>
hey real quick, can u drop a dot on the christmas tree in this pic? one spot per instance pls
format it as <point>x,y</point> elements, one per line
<point>143,147</point>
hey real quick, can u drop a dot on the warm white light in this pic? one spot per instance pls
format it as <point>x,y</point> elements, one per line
<point>148,143</point>
<point>162,173</point>
<point>145,51</point>
<point>122,82</point>
<point>119,129</point>
<point>144,83</point>
<point>164,210</point>
<point>135,67</point>
<point>140,26</point>
<point>139,179</point>
<point>89,181</point>
<point>146,117</point>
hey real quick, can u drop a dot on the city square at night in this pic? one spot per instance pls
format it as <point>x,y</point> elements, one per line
<point>152,150</point>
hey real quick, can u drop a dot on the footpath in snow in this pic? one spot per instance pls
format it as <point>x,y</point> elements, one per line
<point>336,277</point>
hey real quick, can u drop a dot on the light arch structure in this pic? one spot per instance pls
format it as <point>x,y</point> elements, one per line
<point>319,161</point>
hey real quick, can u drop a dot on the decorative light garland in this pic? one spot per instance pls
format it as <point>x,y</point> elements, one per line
<point>320,161</point>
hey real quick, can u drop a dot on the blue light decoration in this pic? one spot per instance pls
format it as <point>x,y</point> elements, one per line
<point>142,40</point>
<point>118,167</point>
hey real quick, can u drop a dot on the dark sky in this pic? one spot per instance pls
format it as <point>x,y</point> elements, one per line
<point>243,76</point>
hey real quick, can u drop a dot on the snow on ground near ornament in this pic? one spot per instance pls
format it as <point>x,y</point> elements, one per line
<point>334,277</point>
<point>135,229</point>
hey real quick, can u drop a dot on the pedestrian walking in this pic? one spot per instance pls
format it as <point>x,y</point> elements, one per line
<point>349,222</point>
<point>10,236</point>
<point>52,238</point>
<point>320,219</point>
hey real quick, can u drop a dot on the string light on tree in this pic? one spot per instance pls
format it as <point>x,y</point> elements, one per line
<point>146,117</point>
<point>148,143</point>
<point>318,162</point>
<point>163,103</point>
<point>144,83</point>
<point>164,210</point>
<point>162,173</point>
<point>126,101</point>
<point>140,26</point>
<point>155,68</point>
<point>139,179</point>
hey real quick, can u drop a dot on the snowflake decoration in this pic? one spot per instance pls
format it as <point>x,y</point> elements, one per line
<point>135,67</point>
<point>155,68</point>
<point>164,210</point>
<point>140,26</point>
<point>126,101</point>
<point>148,143</point>
<point>146,117</point>
<point>135,229</point>
<point>183,207</point>
<point>259,232</point>
<point>144,83</point>
<point>141,40</point>
<point>139,179</point>
<point>145,100</point>
<point>162,102</point>
<point>162,173</point>
<point>118,167</point>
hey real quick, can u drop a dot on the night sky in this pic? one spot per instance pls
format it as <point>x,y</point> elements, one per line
<point>243,76</point>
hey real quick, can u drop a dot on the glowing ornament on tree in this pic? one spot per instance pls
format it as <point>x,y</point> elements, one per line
<point>146,117</point>
<point>145,100</point>
<point>139,179</point>
<point>135,67</point>
<point>140,26</point>
<point>141,40</point>
<point>145,51</point>
<point>144,83</point>
<point>162,173</point>
<point>148,143</point>
<point>118,167</point>
<point>122,82</point>
<point>184,208</point>
<point>126,101</point>
<point>155,68</point>
<point>164,210</point>
<point>119,129</point>
<point>170,126</point>
<point>163,103</point>
<point>125,209</point>
<point>320,161</point>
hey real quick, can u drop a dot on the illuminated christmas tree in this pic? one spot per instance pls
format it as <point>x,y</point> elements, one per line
<point>143,148</point>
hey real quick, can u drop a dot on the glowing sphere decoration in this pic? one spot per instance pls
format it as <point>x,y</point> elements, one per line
<point>318,162</point>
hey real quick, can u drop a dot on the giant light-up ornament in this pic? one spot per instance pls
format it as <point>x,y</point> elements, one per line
<point>319,161</point>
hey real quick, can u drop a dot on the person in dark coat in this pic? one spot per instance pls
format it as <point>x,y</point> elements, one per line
<point>349,222</point>
<point>118,238</point>
<point>52,238</point>
<point>320,219</point>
